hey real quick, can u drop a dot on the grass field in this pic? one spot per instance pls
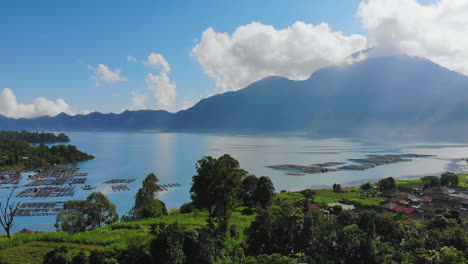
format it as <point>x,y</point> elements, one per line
<point>30,248</point>
<point>33,252</point>
<point>327,196</point>
<point>463,178</point>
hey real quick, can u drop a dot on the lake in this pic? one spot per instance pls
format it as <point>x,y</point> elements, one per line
<point>172,157</point>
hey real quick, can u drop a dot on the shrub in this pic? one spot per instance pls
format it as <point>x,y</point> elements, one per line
<point>186,208</point>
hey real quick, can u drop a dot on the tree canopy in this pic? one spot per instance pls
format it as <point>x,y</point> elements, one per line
<point>146,202</point>
<point>79,216</point>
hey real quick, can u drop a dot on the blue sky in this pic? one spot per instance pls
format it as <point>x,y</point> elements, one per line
<point>48,47</point>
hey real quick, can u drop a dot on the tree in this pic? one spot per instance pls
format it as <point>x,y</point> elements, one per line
<point>80,258</point>
<point>249,184</point>
<point>308,193</point>
<point>336,188</point>
<point>78,216</point>
<point>366,187</point>
<point>147,204</point>
<point>58,255</point>
<point>216,187</point>
<point>431,181</point>
<point>449,179</point>
<point>167,247</point>
<point>8,210</point>
<point>264,192</point>
<point>73,217</point>
<point>102,211</point>
<point>386,185</point>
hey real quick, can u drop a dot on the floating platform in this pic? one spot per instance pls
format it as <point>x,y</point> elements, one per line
<point>113,181</point>
<point>165,187</point>
<point>40,209</point>
<point>58,171</point>
<point>59,181</point>
<point>10,177</point>
<point>117,188</point>
<point>46,192</point>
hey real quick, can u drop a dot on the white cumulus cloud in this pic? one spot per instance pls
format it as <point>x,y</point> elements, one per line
<point>158,60</point>
<point>438,31</point>
<point>139,101</point>
<point>163,90</point>
<point>160,85</point>
<point>256,51</point>
<point>41,106</point>
<point>131,58</point>
<point>102,74</point>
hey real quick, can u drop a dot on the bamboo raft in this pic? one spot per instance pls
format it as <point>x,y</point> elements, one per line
<point>113,181</point>
<point>165,187</point>
<point>46,192</point>
<point>10,177</point>
<point>117,188</point>
<point>40,209</point>
<point>58,171</point>
<point>59,181</point>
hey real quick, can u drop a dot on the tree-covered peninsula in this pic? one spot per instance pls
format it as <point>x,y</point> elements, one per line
<point>25,149</point>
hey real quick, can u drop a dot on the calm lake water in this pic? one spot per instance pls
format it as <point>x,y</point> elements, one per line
<point>172,157</point>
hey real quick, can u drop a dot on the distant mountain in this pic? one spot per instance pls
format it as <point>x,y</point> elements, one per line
<point>400,95</point>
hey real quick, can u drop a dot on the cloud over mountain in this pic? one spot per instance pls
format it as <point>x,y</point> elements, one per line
<point>255,51</point>
<point>10,107</point>
<point>160,86</point>
<point>438,31</point>
<point>102,74</point>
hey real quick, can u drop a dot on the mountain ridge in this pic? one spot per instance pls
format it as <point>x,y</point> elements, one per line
<point>399,93</point>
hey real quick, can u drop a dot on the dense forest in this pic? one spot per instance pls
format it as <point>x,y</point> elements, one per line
<point>33,137</point>
<point>280,230</point>
<point>27,150</point>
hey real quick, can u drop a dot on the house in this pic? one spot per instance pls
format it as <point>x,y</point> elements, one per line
<point>26,231</point>
<point>344,206</point>
<point>426,199</point>
<point>406,210</point>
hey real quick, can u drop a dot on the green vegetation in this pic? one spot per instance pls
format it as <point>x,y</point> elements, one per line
<point>252,225</point>
<point>463,180</point>
<point>33,252</point>
<point>33,137</point>
<point>79,216</point>
<point>146,202</point>
<point>16,150</point>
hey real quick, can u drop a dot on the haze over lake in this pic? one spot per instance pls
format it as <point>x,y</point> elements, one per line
<point>172,157</point>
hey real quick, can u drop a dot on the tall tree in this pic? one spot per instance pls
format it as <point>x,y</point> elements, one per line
<point>264,192</point>
<point>249,184</point>
<point>216,187</point>
<point>102,211</point>
<point>146,202</point>
<point>8,210</point>
<point>449,179</point>
<point>167,247</point>
<point>78,216</point>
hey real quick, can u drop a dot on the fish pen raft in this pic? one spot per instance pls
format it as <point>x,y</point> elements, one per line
<point>47,192</point>
<point>10,177</point>
<point>59,181</point>
<point>165,187</point>
<point>58,171</point>
<point>117,188</point>
<point>40,209</point>
<point>113,181</point>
